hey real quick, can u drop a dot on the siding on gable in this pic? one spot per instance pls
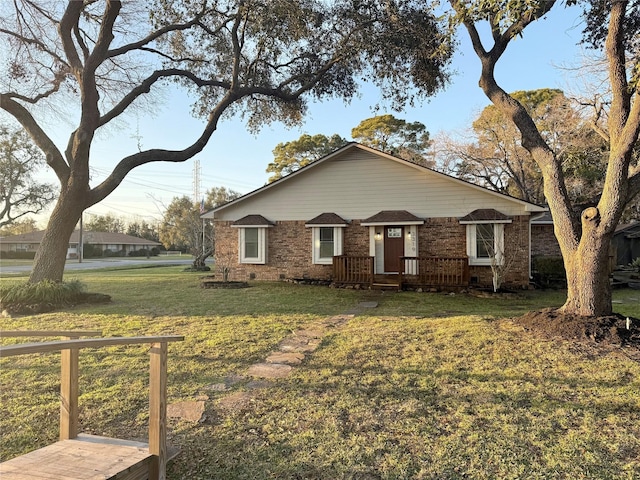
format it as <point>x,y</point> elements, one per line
<point>359,184</point>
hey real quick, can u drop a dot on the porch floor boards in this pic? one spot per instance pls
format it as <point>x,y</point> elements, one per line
<point>386,281</point>
<point>85,457</point>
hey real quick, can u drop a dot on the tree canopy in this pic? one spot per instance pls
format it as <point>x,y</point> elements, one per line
<point>497,160</point>
<point>262,60</point>
<point>383,132</point>
<point>20,193</point>
<point>290,156</point>
<point>105,223</point>
<point>408,140</point>
<point>181,227</point>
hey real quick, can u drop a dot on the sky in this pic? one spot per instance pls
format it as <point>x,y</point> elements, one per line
<point>236,158</point>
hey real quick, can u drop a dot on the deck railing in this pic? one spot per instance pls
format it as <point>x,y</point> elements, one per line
<point>354,270</point>
<point>434,271</point>
<point>69,381</point>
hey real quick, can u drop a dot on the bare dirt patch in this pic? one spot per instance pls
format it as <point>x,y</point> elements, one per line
<point>610,330</point>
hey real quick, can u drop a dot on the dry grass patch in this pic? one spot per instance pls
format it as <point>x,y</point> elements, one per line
<point>425,386</point>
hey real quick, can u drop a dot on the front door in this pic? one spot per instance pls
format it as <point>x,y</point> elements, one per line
<point>393,248</point>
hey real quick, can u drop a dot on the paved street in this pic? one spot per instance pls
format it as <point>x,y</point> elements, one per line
<point>94,263</point>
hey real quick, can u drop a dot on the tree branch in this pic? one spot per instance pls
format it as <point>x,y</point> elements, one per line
<point>615,51</point>
<point>154,36</point>
<point>53,156</point>
<point>68,22</point>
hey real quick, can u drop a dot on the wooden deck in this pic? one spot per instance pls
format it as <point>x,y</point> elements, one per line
<point>82,458</point>
<point>78,456</point>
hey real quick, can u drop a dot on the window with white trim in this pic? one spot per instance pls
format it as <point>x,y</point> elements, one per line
<point>253,245</point>
<point>327,242</point>
<point>485,241</point>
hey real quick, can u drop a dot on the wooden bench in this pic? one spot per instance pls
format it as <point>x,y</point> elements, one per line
<point>79,456</point>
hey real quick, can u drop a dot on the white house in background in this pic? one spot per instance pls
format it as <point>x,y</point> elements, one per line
<point>113,243</point>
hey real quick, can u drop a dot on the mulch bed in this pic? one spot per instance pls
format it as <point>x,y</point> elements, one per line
<point>607,331</point>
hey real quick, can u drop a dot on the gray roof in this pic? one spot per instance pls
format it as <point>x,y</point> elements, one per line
<point>93,238</point>
<point>327,219</point>
<point>253,221</point>
<point>393,216</point>
<point>485,215</point>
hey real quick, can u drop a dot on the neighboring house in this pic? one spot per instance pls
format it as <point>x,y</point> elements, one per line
<point>358,215</point>
<point>626,242</point>
<point>108,243</point>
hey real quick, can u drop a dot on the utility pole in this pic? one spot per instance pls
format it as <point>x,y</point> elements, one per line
<point>80,241</point>
<point>196,195</point>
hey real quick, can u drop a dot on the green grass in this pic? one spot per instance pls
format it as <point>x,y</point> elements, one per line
<point>425,386</point>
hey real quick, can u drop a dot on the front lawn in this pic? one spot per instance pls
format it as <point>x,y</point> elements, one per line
<point>427,386</point>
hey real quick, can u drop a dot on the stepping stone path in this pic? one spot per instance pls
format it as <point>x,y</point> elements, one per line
<point>278,364</point>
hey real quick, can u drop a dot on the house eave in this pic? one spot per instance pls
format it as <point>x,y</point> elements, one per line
<point>394,223</point>
<point>334,225</point>
<point>475,222</point>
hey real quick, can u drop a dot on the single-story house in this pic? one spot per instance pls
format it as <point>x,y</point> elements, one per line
<point>359,215</point>
<point>106,242</point>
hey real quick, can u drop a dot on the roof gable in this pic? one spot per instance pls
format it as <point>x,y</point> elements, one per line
<point>357,181</point>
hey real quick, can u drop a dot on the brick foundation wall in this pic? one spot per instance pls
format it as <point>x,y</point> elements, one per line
<point>289,253</point>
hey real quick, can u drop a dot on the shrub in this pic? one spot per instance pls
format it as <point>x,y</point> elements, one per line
<point>143,252</point>
<point>636,264</point>
<point>57,293</point>
<point>18,255</point>
<point>91,251</point>
<point>548,272</point>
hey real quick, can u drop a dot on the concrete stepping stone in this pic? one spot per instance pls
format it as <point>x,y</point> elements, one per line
<point>269,370</point>
<point>235,402</point>
<point>299,345</point>
<point>192,411</point>
<point>288,358</point>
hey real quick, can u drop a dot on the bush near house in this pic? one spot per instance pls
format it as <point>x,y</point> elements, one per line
<point>548,272</point>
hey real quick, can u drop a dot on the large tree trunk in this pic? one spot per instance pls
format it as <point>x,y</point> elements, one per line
<point>587,268</point>
<point>52,254</point>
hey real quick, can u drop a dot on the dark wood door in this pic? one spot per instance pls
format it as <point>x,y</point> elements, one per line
<point>393,248</point>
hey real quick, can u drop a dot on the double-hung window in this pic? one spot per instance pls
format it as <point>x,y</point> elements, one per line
<point>327,242</point>
<point>485,236</point>
<point>253,245</point>
<point>326,237</point>
<point>485,243</point>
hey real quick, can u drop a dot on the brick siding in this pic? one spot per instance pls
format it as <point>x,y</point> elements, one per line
<point>543,241</point>
<point>289,253</point>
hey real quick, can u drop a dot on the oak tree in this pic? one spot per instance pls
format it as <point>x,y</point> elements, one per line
<point>261,60</point>
<point>290,156</point>
<point>407,140</point>
<point>496,159</point>
<point>612,26</point>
